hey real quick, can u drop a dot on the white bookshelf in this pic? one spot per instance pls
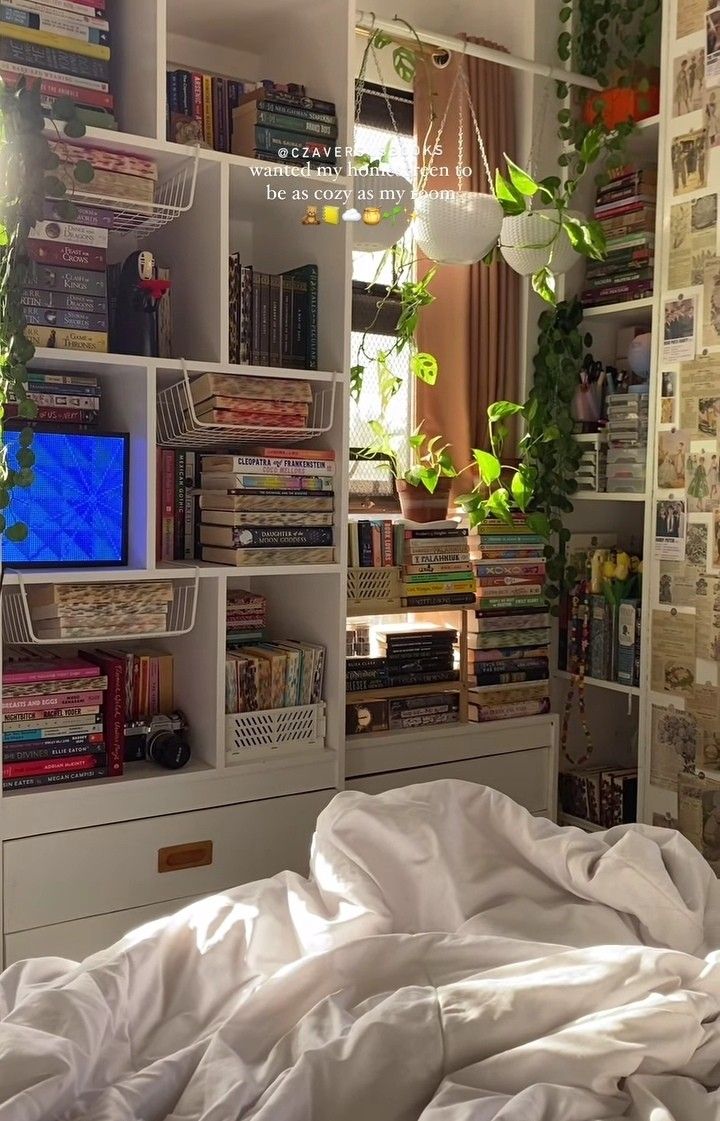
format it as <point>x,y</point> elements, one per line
<point>259,815</point>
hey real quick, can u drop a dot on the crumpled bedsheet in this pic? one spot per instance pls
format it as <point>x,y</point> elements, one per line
<point>451,958</point>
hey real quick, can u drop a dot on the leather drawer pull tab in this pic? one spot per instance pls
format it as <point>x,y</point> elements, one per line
<point>176,858</point>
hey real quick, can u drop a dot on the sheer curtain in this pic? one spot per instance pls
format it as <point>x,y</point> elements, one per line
<point>472,327</point>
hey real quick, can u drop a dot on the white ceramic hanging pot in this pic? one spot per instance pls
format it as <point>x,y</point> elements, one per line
<point>524,242</point>
<point>384,204</point>
<point>457,228</point>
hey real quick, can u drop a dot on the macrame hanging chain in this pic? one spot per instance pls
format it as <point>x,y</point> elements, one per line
<point>371,51</point>
<point>580,602</point>
<point>460,80</point>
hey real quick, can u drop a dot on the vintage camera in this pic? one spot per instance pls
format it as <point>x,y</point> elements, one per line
<point>161,739</point>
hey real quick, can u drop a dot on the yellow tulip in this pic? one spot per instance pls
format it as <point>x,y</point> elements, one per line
<point>608,569</point>
<point>622,572</point>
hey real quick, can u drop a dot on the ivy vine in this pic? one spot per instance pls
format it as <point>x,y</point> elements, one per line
<point>27,163</point>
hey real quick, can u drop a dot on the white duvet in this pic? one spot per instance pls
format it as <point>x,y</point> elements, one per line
<point>451,958</point>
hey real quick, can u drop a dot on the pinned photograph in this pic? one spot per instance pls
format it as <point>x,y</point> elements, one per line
<point>673,449</point>
<point>701,476</point>
<point>668,383</point>
<point>708,413</point>
<point>670,529</point>
<point>696,544</point>
<point>679,329</point>
<point>675,745</point>
<point>688,82</point>
<point>712,118</point>
<point>688,157</point>
<point>712,46</point>
<point>711,303</point>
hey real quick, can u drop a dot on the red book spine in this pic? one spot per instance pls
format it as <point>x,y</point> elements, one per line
<point>168,504</point>
<point>62,414</point>
<point>51,701</point>
<point>158,504</point>
<point>49,766</point>
<point>154,686</point>
<point>388,545</point>
<point>96,99</point>
<point>60,253</point>
<point>113,710</point>
<point>13,675</point>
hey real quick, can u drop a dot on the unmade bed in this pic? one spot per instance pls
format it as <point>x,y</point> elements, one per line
<point>451,958</point>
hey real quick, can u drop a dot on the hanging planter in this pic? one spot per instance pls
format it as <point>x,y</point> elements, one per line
<point>534,240</point>
<point>457,230</point>
<point>385,205</point>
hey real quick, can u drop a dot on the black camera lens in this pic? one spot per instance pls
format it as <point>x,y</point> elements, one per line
<point>168,749</point>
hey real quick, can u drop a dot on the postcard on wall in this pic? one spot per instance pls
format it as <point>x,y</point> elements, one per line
<point>664,821</point>
<point>710,741</point>
<point>670,520</point>
<point>700,382</point>
<point>701,475</point>
<point>677,584</point>
<point>697,540</point>
<point>711,304</point>
<point>704,706</point>
<point>672,662</point>
<point>693,240</point>
<point>688,158</point>
<point>699,816</point>
<point>712,117</point>
<point>675,743</point>
<point>707,620</point>
<point>688,82</point>
<point>712,46</point>
<point>673,449</point>
<point>690,17</point>
<point>679,329</point>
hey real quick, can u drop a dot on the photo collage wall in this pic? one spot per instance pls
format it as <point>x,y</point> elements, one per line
<point>684,726</point>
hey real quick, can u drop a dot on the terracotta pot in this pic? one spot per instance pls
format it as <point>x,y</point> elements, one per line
<point>418,505</point>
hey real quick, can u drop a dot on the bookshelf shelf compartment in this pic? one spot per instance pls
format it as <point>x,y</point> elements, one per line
<point>274,733</point>
<point>178,424</point>
<point>174,196</point>
<point>17,623</point>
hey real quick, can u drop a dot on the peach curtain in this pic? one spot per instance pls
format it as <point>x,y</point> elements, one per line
<point>473,326</point>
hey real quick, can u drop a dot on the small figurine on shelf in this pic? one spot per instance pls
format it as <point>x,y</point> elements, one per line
<point>134,328</point>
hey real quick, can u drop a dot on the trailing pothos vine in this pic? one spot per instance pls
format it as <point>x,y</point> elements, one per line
<point>27,164</point>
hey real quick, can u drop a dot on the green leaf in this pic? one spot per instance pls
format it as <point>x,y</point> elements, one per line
<point>54,187</point>
<point>498,504</point>
<point>381,40</point>
<point>521,180</point>
<point>404,62</point>
<point>356,381</point>
<point>522,489</point>
<point>64,109</point>
<point>543,282</point>
<point>74,128</point>
<point>17,532</point>
<point>565,14</point>
<point>488,465</point>
<point>83,171</point>
<point>500,409</point>
<point>509,198</point>
<point>424,367</point>
<point>539,523</point>
<point>3,235</point>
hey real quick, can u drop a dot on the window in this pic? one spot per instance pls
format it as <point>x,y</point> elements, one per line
<point>372,274</point>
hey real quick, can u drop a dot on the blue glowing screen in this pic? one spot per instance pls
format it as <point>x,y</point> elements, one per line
<point>76,507</point>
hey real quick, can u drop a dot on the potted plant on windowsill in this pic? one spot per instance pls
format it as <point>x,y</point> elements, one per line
<point>424,487</point>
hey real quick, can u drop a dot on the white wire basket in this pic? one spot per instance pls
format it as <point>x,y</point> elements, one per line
<point>173,196</point>
<point>178,424</point>
<point>18,626</point>
<point>271,733</point>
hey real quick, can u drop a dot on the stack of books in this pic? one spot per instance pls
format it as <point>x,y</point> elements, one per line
<point>401,714</point>
<point>91,610</point>
<point>275,507</point>
<point>627,437</point>
<point>509,635</point>
<point>285,126</point>
<point>602,796</point>
<point>252,402</point>
<point>436,567</point>
<point>270,675</point>
<point>66,44</point>
<point>625,208</point>
<point>60,399</point>
<point>245,617</point>
<point>273,318</point>
<point>200,107</point>
<point>53,728</point>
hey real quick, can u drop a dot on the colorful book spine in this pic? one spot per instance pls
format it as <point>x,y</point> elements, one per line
<point>71,320</point>
<point>20,49</point>
<point>28,781</point>
<point>66,255</point>
<point>64,339</point>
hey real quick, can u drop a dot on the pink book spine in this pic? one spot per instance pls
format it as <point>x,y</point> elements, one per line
<point>51,701</point>
<point>44,672</point>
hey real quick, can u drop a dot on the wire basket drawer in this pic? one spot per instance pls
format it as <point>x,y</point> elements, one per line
<point>273,732</point>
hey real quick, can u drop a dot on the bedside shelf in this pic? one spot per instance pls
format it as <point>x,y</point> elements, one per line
<point>623,312</point>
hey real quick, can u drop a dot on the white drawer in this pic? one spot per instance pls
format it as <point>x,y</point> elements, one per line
<point>81,937</point>
<point>522,775</point>
<point>54,878</point>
